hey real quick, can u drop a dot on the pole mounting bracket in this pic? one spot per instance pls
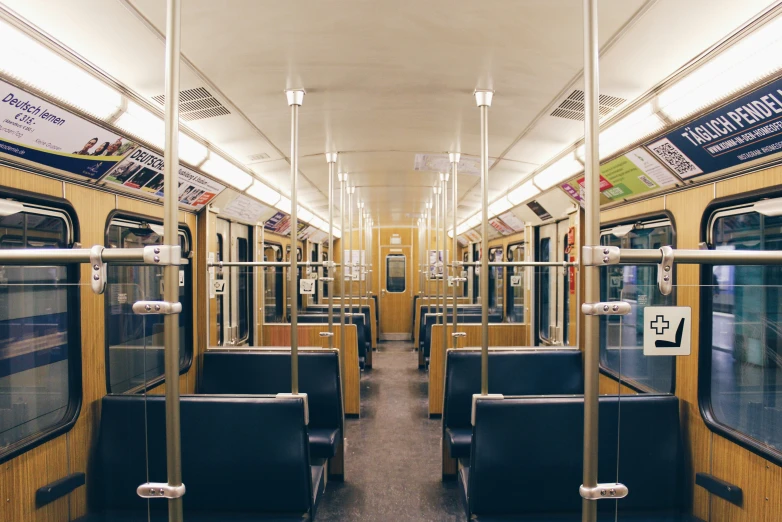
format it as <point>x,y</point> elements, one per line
<point>603,491</point>
<point>156,308</point>
<point>600,255</point>
<point>665,271</point>
<point>160,490</point>
<point>163,255</point>
<point>606,308</point>
<point>98,279</point>
<point>326,334</point>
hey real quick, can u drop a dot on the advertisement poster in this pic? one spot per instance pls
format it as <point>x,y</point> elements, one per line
<point>436,263</point>
<point>742,130</point>
<point>629,175</point>
<point>142,171</point>
<point>510,219</point>
<point>500,226</point>
<point>472,236</point>
<point>355,258</point>
<point>245,209</point>
<point>279,223</point>
<point>37,131</point>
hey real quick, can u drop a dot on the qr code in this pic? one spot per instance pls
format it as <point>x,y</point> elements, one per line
<point>674,158</point>
<point>646,181</point>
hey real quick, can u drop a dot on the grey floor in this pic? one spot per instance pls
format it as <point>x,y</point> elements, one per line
<point>392,465</point>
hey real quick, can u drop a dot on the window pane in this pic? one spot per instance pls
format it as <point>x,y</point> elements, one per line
<point>544,288</point>
<point>516,293</point>
<point>395,273</point>
<point>746,371</point>
<point>244,290</point>
<point>272,278</point>
<point>622,336</point>
<point>136,342</point>
<point>34,317</point>
<point>220,276</point>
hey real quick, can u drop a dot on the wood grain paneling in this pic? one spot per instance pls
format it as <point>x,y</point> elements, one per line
<point>309,335</point>
<point>610,386</point>
<point>636,209</point>
<point>499,335</point>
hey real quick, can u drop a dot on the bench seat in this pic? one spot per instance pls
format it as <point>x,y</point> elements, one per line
<point>520,443</point>
<point>244,458</point>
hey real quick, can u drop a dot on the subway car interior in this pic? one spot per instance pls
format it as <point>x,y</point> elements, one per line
<point>341,260</point>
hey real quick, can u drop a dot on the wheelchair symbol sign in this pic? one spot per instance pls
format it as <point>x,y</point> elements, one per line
<point>667,330</point>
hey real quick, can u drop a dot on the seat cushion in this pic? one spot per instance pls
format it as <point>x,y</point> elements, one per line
<point>459,441</point>
<point>323,442</point>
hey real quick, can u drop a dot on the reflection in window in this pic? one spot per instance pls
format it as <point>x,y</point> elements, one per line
<point>622,336</point>
<point>396,281</point>
<point>135,342</point>
<point>746,370</point>
<point>220,276</point>
<point>272,284</point>
<point>496,281</point>
<point>35,354</point>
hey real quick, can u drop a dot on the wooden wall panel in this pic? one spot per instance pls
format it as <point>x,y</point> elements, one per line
<point>608,386</point>
<point>16,179</point>
<point>636,209</point>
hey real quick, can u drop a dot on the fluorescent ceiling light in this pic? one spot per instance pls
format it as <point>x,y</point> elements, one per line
<point>637,125</point>
<point>190,150</point>
<point>522,193</point>
<point>264,193</point>
<point>749,60</point>
<point>8,208</point>
<point>284,204</point>
<point>37,66</point>
<point>500,206</point>
<point>142,123</point>
<point>316,222</point>
<point>225,171</point>
<point>336,232</point>
<point>558,171</point>
<point>302,214</point>
<point>450,233</point>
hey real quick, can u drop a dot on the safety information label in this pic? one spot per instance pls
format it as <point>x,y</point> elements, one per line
<point>667,330</point>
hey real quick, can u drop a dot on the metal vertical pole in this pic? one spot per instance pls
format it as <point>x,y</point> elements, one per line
<point>351,190</point>
<point>436,250</point>
<point>591,238</point>
<point>428,241</point>
<point>331,158</point>
<point>295,99</point>
<point>343,178</point>
<point>361,262</point>
<point>483,100</point>
<point>444,184</point>
<point>171,239</point>
<point>454,158</point>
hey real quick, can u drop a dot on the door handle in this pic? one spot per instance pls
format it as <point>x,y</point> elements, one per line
<point>382,292</point>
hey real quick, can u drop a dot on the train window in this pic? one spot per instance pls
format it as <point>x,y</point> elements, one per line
<point>621,337</point>
<point>544,289</point>
<point>396,270</point>
<point>134,343</point>
<point>40,388</point>
<point>496,280</point>
<point>272,284</point>
<point>244,296</point>
<point>466,272</point>
<point>515,293</point>
<point>741,364</point>
<point>219,275</point>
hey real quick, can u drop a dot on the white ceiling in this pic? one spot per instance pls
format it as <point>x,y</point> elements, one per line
<point>387,79</point>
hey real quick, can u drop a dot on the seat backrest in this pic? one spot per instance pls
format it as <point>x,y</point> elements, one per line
<point>462,309</point>
<point>469,317</point>
<point>511,372</point>
<point>357,319</point>
<point>521,444</point>
<point>244,454</point>
<point>323,308</point>
<point>269,373</point>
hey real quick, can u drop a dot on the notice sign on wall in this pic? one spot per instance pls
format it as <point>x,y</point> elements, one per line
<point>36,131</point>
<point>743,130</point>
<point>142,171</point>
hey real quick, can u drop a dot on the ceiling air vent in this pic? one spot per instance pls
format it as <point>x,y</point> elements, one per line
<point>572,108</point>
<point>196,104</point>
<point>258,157</point>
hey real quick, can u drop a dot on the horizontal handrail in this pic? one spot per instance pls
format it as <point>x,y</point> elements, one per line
<point>701,257</point>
